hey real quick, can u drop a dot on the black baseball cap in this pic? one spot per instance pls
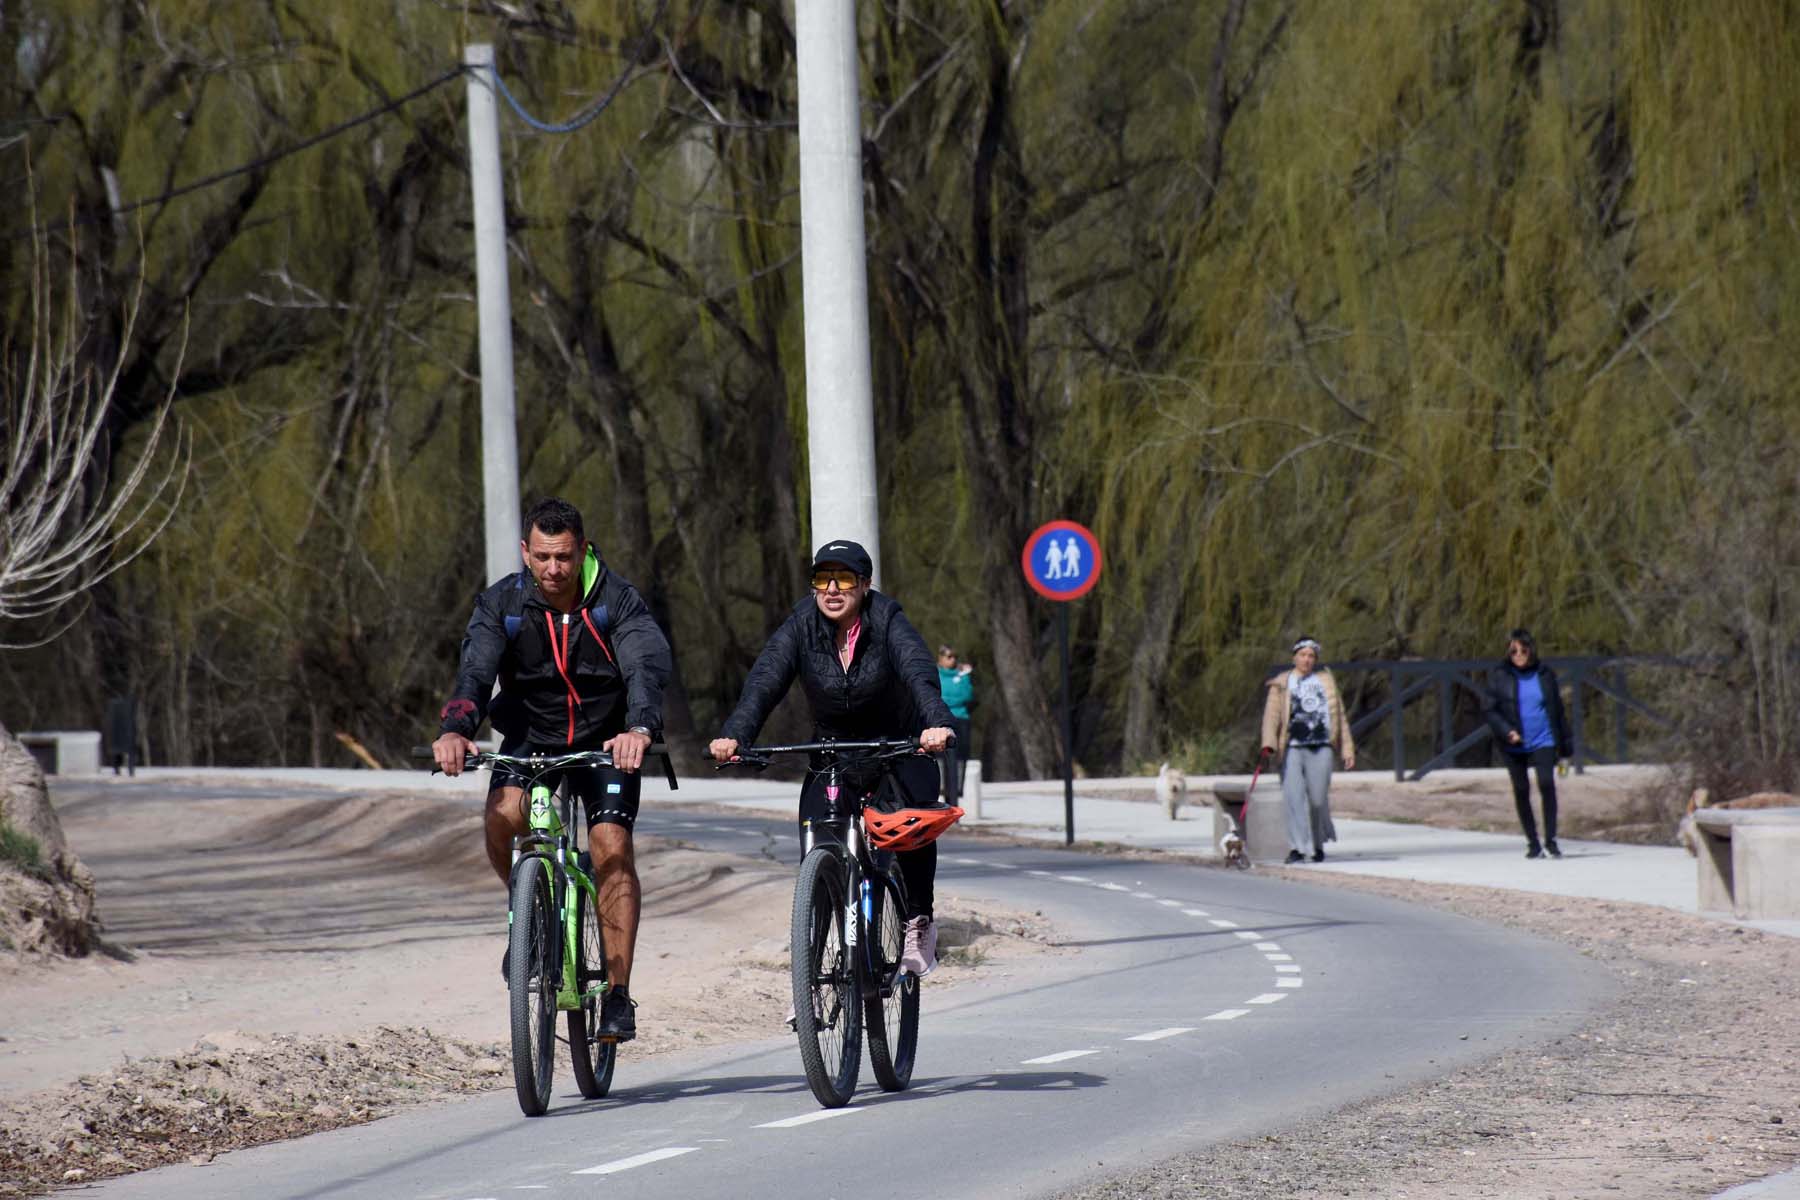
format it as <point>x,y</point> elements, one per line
<point>850,554</point>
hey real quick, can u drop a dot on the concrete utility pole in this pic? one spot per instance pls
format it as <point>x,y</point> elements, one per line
<point>840,415</point>
<point>499,427</point>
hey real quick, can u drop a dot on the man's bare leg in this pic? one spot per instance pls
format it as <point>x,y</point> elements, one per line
<point>615,867</point>
<point>504,820</point>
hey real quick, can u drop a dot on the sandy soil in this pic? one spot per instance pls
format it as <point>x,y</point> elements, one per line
<point>283,964</point>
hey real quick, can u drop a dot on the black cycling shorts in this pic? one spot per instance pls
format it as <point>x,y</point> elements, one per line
<point>607,794</point>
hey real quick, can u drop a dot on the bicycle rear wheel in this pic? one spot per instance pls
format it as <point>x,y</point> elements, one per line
<point>532,976</point>
<point>891,1001</point>
<point>593,1059</point>
<point>827,1014</point>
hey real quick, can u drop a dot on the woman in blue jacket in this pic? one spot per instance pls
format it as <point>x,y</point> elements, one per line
<point>1524,709</point>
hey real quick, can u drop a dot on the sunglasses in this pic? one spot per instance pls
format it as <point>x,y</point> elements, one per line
<point>822,580</point>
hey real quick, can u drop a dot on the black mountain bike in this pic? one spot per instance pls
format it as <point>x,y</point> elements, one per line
<point>848,929</point>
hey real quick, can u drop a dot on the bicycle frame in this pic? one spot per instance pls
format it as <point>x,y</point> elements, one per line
<point>550,839</point>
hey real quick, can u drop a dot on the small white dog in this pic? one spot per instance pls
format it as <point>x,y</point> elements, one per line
<point>1171,789</point>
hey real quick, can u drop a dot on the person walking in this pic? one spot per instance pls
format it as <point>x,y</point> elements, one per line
<point>959,693</point>
<point>1524,708</point>
<point>1303,721</point>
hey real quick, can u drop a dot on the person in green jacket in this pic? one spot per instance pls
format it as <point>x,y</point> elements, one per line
<point>959,694</point>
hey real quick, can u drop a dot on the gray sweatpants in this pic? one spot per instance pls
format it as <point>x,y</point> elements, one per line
<point>1305,785</point>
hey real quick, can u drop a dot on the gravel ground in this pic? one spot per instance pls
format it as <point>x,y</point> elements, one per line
<point>1688,1084</point>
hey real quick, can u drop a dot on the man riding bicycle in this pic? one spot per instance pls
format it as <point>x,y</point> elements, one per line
<point>581,665</point>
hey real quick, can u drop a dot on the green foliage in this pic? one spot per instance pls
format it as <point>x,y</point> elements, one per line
<point>21,852</point>
<point>1400,324</point>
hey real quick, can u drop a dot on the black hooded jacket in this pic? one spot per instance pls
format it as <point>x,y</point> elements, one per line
<point>1500,705</point>
<point>604,685</point>
<point>889,691</point>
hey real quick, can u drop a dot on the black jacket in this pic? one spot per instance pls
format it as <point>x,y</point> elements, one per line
<point>617,681</point>
<point>890,690</point>
<point>1500,706</point>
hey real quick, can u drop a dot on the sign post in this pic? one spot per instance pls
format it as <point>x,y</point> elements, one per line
<point>1062,562</point>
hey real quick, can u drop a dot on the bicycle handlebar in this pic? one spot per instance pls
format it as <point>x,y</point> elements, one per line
<point>537,764</point>
<point>758,756</point>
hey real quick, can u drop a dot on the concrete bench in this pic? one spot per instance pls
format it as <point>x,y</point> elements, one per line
<point>1749,862</point>
<point>64,751</point>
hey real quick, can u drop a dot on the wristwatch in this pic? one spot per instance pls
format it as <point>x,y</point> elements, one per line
<point>642,729</point>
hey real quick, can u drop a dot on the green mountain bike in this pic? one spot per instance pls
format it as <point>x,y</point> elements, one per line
<point>556,953</point>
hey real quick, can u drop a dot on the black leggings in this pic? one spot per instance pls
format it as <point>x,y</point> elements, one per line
<point>918,780</point>
<point>1544,759</point>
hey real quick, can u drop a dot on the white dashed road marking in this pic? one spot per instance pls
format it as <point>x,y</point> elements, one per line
<point>637,1160</point>
<point>1289,982</point>
<point>824,1114</point>
<point>1279,957</point>
<point>1061,1056</point>
<point>1246,935</point>
<point>1268,945</point>
<point>1228,1014</point>
<point>1195,912</point>
<point>1157,1035</point>
<point>1286,968</point>
<point>1267,998</point>
<point>1222,923</point>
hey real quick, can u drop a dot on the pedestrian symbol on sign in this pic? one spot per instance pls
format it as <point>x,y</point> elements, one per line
<point>1062,560</point>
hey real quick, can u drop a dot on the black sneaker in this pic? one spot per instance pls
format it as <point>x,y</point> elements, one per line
<point>1318,856</point>
<point>1551,849</point>
<point>1534,851</point>
<point>1295,856</point>
<point>618,1020</point>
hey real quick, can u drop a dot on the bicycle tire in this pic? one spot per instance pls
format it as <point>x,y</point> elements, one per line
<point>891,999</point>
<point>531,982</point>
<point>827,1009</point>
<point>593,1059</point>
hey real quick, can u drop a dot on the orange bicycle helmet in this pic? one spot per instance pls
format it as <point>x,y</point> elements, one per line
<point>909,828</point>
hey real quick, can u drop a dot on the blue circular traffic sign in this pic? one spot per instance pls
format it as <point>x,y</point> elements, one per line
<point>1062,560</point>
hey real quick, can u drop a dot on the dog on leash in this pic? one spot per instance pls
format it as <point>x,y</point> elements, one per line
<point>1171,789</point>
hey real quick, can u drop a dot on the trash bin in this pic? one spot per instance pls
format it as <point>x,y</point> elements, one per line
<point>120,733</point>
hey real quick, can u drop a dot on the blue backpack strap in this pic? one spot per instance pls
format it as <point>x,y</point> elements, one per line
<point>515,598</point>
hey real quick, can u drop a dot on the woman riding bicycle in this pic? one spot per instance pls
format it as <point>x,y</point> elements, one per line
<point>867,675</point>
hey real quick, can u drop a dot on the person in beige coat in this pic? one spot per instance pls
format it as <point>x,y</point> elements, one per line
<point>1303,722</point>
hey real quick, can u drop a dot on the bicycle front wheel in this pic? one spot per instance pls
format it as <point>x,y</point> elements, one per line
<point>593,1059</point>
<point>891,996</point>
<point>827,1013</point>
<point>531,978</point>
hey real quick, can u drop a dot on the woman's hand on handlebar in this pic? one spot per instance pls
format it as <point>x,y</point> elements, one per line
<point>723,749</point>
<point>936,739</point>
<point>450,750</point>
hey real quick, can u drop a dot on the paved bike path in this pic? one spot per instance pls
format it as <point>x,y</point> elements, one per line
<point>1201,1007</point>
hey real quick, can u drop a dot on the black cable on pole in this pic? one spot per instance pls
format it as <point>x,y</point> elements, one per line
<point>306,143</point>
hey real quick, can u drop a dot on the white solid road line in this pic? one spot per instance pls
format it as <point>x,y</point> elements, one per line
<point>1060,1056</point>
<point>1157,1035</point>
<point>824,1114</point>
<point>636,1160</point>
